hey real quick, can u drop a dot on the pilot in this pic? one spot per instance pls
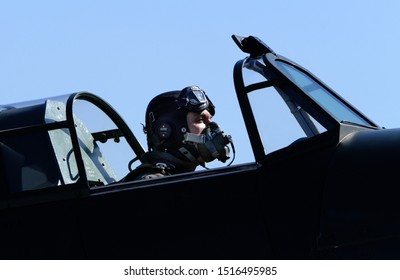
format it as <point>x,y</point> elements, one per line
<point>180,135</point>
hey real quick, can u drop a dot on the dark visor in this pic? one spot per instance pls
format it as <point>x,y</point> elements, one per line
<point>195,100</point>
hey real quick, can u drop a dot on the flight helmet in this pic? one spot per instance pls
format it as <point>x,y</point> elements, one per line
<point>166,122</point>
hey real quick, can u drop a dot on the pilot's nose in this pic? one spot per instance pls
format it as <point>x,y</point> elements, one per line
<point>207,119</point>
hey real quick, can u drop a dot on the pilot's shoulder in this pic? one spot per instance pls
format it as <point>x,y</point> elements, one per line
<point>145,171</point>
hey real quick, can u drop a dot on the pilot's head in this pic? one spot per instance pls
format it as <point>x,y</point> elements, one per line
<point>178,122</point>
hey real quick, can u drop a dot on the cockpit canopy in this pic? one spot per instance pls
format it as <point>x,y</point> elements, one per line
<point>46,143</point>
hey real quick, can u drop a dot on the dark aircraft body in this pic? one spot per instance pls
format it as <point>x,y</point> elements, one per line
<point>327,190</point>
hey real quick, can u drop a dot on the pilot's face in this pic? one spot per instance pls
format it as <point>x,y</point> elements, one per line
<point>197,121</point>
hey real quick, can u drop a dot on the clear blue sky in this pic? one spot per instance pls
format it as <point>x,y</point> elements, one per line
<point>129,51</point>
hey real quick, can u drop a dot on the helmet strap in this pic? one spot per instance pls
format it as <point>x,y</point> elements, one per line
<point>188,155</point>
